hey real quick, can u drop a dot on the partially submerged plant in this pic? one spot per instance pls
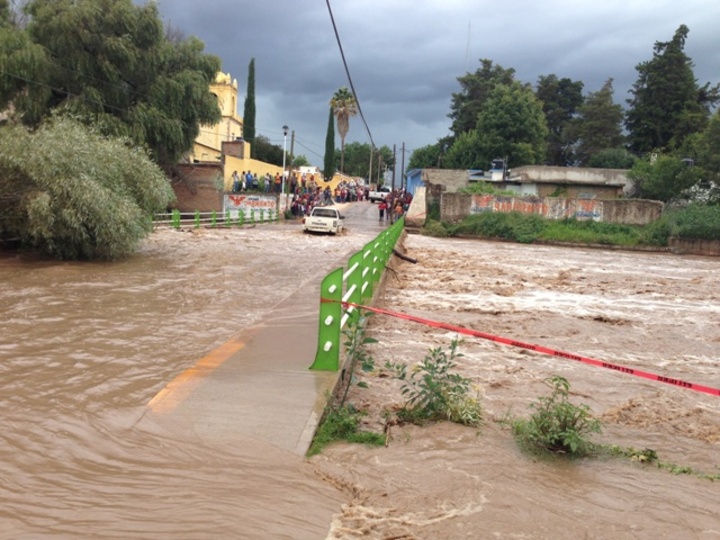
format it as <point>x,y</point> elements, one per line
<point>556,425</point>
<point>357,353</point>
<point>434,392</point>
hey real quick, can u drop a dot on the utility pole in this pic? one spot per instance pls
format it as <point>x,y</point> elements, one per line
<point>394,164</point>
<point>380,163</point>
<point>402,166</point>
<point>370,178</point>
<point>292,154</point>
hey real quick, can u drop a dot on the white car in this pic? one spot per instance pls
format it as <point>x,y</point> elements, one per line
<point>379,194</point>
<point>323,219</point>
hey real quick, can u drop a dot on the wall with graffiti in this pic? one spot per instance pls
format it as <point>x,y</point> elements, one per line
<point>456,206</point>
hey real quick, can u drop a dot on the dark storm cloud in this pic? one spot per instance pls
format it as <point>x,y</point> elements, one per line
<point>405,56</point>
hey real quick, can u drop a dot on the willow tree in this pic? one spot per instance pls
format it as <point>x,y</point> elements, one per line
<point>69,192</point>
<point>111,64</point>
<point>344,105</point>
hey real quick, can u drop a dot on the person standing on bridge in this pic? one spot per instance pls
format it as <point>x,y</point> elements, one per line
<point>381,208</point>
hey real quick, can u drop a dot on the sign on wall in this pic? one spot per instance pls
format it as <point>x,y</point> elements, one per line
<point>236,203</point>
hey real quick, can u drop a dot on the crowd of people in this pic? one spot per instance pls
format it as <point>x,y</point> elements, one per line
<point>305,193</point>
<point>395,205</point>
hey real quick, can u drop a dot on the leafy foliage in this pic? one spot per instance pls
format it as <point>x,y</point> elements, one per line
<point>475,90</point>
<point>342,424</point>
<point>109,63</point>
<point>344,106</point>
<point>512,124</point>
<point>556,425</point>
<point>662,178</point>
<point>612,158</point>
<point>427,157</point>
<point>707,152</point>
<point>434,392</point>
<point>329,159</point>
<point>71,193</point>
<point>465,153</point>
<point>598,126</point>
<point>357,160</point>
<point>648,456</point>
<point>560,100</point>
<point>356,351</point>
<point>695,221</point>
<point>249,105</point>
<point>667,104</point>
<point>264,150</point>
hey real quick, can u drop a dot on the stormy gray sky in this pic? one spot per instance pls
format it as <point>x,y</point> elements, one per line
<point>404,56</point>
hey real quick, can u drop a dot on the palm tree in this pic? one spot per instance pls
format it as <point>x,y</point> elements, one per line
<point>344,106</point>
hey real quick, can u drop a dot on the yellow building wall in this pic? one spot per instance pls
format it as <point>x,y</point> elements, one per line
<point>253,165</point>
<point>208,143</point>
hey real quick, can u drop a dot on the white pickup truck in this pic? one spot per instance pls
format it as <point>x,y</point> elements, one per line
<point>378,194</point>
<point>323,219</point>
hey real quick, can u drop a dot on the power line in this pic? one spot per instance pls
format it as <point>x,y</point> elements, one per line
<point>347,71</point>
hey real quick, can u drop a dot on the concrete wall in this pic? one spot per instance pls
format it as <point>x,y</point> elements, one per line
<point>690,246</point>
<point>577,191</point>
<point>417,213</point>
<point>569,175</point>
<point>455,206</point>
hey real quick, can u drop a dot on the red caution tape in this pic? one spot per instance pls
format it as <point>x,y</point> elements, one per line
<point>544,350</point>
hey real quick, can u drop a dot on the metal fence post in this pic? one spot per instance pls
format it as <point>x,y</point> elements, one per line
<point>327,357</point>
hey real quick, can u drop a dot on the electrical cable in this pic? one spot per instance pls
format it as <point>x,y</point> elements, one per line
<point>347,71</point>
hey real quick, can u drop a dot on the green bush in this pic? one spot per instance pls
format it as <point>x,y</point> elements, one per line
<point>435,228</point>
<point>341,424</point>
<point>434,392</point>
<point>556,425</point>
<point>71,193</point>
<point>695,221</point>
<point>433,210</point>
<point>573,230</point>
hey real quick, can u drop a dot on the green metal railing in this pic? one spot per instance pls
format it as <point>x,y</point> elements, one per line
<point>352,286</point>
<point>214,219</point>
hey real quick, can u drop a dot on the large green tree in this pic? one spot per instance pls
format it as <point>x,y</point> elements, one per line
<point>560,100</point>
<point>667,105</point>
<point>663,177</point>
<point>264,150</point>
<point>344,106</point>
<point>466,153</point>
<point>110,63</point>
<point>709,149</point>
<point>475,88</point>
<point>426,157</point>
<point>512,125</point>
<point>249,108</point>
<point>357,159</point>
<point>329,159</point>
<point>69,192</point>
<point>598,126</point>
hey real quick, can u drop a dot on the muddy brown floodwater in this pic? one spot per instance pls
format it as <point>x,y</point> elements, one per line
<point>85,347</point>
<point>655,312</point>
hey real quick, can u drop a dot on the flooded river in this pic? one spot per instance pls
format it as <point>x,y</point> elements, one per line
<point>84,347</point>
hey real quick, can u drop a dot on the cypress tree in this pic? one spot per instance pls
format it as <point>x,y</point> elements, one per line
<point>667,104</point>
<point>329,164</point>
<point>249,111</point>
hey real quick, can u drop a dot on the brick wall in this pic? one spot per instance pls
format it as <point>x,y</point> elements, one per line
<point>195,189</point>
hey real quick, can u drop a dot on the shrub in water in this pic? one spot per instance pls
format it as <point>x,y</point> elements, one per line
<point>556,425</point>
<point>434,392</point>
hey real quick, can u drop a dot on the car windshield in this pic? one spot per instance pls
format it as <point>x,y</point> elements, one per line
<point>324,212</point>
